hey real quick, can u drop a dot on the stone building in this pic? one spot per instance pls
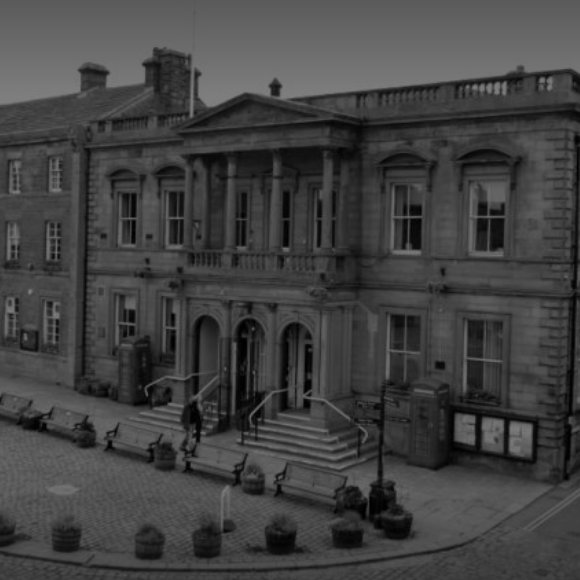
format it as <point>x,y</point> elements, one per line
<point>307,249</point>
<point>43,176</point>
<point>300,252</point>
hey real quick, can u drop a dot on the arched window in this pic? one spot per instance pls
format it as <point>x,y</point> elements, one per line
<point>487,177</point>
<point>405,182</point>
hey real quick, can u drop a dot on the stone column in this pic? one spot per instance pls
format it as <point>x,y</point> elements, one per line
<point>230,241</point>
<point>342,209</point>
<point>188,203</point>
<point>204,205</point>
<point>275,202</point>
<point>327,182</point>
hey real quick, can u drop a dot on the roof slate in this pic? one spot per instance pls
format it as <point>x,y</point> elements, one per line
<point>67,110</point>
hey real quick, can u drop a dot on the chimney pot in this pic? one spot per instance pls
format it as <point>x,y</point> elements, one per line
<point>93,75</point>
<point>275,88</point>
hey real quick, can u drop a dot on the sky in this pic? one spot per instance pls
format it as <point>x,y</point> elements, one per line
<point>311,46</point>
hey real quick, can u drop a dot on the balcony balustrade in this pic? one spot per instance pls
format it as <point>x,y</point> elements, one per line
<point>268,263</point>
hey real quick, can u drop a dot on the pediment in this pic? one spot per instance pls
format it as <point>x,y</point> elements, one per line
<point>251,110</point>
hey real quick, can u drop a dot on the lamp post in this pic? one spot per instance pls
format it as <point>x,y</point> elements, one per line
<point>382,492</point>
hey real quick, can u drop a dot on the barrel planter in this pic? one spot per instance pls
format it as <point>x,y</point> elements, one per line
<point>147,548</point>
<point>164,456</point>
<point>280,542</point>
<point>253,484</point>
<point>66,540</point>
<point>345,538</point>
<point>396,525</point>
<point>7,527</point>
<point>6,539</point>
<point>30,420</point>
<point>206,545</point>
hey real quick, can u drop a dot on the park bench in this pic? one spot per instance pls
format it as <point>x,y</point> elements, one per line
<point>134,437</point>
<point>312,480</point>
<point>216,459</point>
<point>14,405</point>
<point>63,420</point>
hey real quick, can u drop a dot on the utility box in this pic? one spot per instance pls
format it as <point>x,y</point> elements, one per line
<point>134,370</point>
<point>429,434</point>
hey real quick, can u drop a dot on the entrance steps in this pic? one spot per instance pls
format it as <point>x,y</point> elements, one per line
<point>294,437</point>
<point>167,418</point>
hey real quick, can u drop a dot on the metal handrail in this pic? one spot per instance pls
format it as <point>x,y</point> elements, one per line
<point>172,378</point>
<point>340,412</point>
<point>257,408</point>
<point>204,389</point>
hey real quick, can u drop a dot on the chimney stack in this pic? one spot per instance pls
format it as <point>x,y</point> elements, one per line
<point>275,88</point>
<point>168,73</point>
<point>92,76</point>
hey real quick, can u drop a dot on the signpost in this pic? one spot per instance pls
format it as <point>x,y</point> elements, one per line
<point>382,492</point>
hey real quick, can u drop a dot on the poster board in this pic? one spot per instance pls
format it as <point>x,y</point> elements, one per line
<point>495,433</point>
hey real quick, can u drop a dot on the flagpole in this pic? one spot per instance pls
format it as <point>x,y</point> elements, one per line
<point>192,69</point>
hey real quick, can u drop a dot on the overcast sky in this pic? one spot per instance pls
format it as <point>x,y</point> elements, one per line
<point>311,46</point>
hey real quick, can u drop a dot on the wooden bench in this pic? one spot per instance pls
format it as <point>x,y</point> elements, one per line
<point>320,482</point>
<point>134,437</point>
<point>216,459</point>
<point>63,420</point>
<point>14,405</point>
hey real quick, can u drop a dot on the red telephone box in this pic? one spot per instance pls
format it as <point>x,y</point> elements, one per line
<point>134,370</point>
<point>429,436</point>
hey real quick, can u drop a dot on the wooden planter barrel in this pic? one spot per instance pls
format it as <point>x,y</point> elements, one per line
<point>86,439</point>
<point>148,549</point>
<point>165,463</point>
<point>66,540</point>
<point>396,526</point>
<point>279,542</point>
<point>7,538</point>
<point>253,484</point>
<point>206,545</point>
<point>342,538</point>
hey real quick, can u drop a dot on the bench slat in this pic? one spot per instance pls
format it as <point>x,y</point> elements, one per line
<point>134,437</point>
<point>218,459</point>
<point>312,480</point>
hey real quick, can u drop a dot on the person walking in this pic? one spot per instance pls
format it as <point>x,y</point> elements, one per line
<point>191,418</point>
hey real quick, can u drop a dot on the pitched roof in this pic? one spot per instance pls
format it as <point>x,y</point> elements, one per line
<point>67,110</point>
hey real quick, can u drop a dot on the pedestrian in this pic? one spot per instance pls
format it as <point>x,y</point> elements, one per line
<point>191,418</point>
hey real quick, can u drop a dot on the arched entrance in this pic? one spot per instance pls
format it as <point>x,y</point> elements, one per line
<point>207,351</point>
<point>297,364</point>
<point>249,363</point>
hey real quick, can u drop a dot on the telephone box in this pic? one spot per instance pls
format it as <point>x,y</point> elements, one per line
<point>134,370</point>
<point>429,434</point>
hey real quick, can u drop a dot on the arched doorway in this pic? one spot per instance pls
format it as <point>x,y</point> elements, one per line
<point>250,363</point>
<point>207,352</point>
<point>297,365</point>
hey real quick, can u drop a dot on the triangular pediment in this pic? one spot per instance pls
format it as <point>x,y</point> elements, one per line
<point>250,110</point>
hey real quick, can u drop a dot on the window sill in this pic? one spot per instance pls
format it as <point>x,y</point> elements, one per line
<point>49,349</point>
<point>480,402</point>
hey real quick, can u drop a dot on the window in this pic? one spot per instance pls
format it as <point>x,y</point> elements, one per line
<point>11,317</point>
<point>318,210</point>
<point>242,219</point>
<point>12,242</point>
<point>53,242</point>
<point>169,330</point>
<point>483,360</point>
<point>174,218</point>
<point>407,217</point>
<point>51,324</point>
<point>125,317</point>
<point>14,176</point>
<point>403,347</point>
<point>55,173</point>
<point>127,227</point>
<point>487,216</point>
<point>286,219</point>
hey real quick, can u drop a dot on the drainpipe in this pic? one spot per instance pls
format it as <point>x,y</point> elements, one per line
<point>572,324</point>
